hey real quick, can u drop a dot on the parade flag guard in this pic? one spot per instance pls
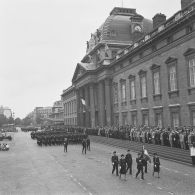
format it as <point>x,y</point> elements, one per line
<point>192,153</point>
<point>146,155</point>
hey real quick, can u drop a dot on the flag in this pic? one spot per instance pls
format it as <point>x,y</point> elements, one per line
<point>146,155</point>
<point>83,102</point>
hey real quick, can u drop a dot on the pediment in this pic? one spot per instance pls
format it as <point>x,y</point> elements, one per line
<point>189,51</point>
<point>170,60</point>
<point>79,71</point>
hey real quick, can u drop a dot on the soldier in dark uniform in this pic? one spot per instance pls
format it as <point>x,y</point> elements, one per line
<point>139,161</point>
<point>123,166</point>
<point>88,143</point>
<point>65,144</point>
<point>129,161</point>
<point>115,162</point>
<point>84,144</point>
<point>156,162</point>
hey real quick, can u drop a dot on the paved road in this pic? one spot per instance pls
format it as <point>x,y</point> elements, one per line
<point>29,169</point>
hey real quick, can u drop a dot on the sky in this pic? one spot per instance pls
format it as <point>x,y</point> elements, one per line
<point>41,42</point>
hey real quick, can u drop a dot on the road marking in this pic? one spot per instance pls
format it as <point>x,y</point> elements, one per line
<point>90,193</point>
<point>159,188</point>
<point>170,192</point>
<point>186,174</point>
<point>84,188</point>
<point>149,183</point>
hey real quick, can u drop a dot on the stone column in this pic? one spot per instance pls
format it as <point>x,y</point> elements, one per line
<point>87,107</point>
<point>81,107</point>
<point>108,101</point>
<point>101,103</point>
<point>92,105</point>
<point>78,106</point>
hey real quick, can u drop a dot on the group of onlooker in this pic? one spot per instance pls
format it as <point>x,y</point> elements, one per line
<point>181,137</point>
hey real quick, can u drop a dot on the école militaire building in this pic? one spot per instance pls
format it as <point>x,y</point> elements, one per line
<point>140,72</point>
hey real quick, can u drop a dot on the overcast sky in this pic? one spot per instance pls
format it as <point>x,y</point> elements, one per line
<point>41,42</point>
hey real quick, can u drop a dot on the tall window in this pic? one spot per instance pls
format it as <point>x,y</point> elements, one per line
<point>124,119</point>
<point>115,91</point>
<point>145,119</point>
<point>192,72</point>
<point>143,86</point>
<point>156,81</point>
<point>123,91</point>
<point>158,119</point>
<point>193,118</point>
<point>172,78</point>
<point>175,119</point>
<point>134,119</point>
<point>132,90</point>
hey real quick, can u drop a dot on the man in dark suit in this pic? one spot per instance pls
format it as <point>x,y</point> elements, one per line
<point>88,143</point>
<point>115,163</point>
<point>139,161</point>
<point>84,144</point>
<point>129,161</point>
<point>65,144</point>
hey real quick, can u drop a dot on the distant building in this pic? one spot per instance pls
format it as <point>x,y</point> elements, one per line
<point>57,114</point>
<point>6,111</point>
<point>41,114</point>
<point>70,106</point>
<point>138,72</point>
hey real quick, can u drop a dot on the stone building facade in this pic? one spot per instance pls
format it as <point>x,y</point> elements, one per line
<point>70,106</point>
<point>57,114</point>
<point>135,74</point>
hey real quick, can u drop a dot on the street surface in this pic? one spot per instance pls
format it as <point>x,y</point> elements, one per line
<point>30,169</point>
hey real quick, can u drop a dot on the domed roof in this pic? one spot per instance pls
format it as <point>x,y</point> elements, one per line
<point>119,28</point>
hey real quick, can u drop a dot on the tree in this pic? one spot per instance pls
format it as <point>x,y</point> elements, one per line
<point>18,121</point>
<point>10,120</point>
<point>27,121</point>
<point>38,119</point>
<point>3,120</point>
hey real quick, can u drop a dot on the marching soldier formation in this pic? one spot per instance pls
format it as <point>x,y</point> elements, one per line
<point>122,165</point>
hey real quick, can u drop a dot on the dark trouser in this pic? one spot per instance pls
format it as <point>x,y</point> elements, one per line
<point>140,169</point>
<point>129,166</point>
<point>84,149</point>
<point>65,148</point>
<point>88,147</point>
<point>146,167</point>
<point>193,160</point>
<point>115,166</point>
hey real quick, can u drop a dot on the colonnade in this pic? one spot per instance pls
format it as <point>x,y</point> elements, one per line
<point>94,102</point>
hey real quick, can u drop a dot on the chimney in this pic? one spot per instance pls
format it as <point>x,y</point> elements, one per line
<point>158,19</point>
<point>186,3</point>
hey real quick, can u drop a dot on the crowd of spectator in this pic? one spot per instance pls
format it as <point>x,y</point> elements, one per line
<point>181,137</point>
